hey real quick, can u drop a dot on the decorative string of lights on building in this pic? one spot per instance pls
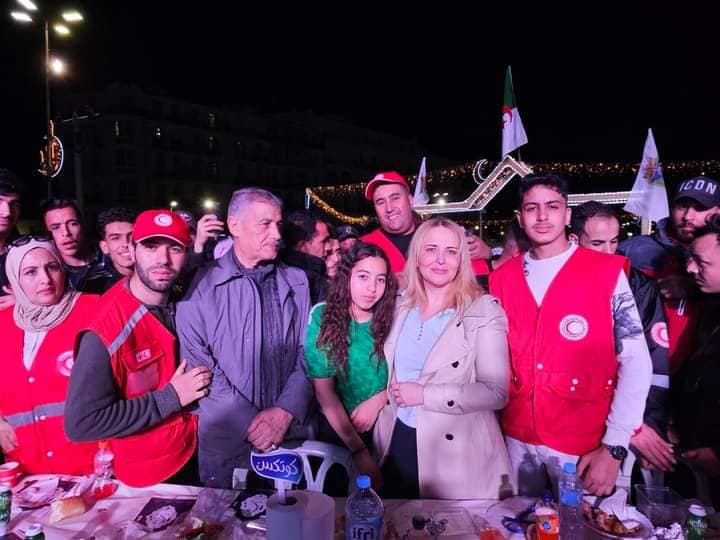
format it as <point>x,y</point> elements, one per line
<point>586,170</point>
<point>440,179</point>
<point>325,207</point>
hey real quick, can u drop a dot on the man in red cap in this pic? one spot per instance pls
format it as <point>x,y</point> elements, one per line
<point>126,385</point>
<point>390,194</point>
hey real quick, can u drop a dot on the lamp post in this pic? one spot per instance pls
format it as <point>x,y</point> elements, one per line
<point>56,66</point>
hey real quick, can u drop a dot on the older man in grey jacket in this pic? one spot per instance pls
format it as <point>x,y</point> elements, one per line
<point>244,317</point>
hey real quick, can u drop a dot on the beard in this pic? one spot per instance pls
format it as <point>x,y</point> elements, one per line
<point>158,286</point>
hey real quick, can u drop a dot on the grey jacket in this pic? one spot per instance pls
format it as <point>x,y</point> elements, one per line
<point>219,325</point>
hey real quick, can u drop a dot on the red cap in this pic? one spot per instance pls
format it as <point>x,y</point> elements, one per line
<point>390,177</point>
<point>165,223</point>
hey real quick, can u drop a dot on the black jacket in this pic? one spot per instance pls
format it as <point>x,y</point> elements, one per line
<point>314,268</point>
<point>695,395</point>
<point>650,307</point>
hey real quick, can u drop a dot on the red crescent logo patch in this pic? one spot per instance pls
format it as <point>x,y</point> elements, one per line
<point>574,327</point>
<point>659,333</point>
<point>64,363</point>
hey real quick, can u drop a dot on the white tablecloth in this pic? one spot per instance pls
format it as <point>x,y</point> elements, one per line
<point>107,517</point>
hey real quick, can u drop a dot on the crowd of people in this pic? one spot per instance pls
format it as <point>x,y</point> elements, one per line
<point>445,371</point>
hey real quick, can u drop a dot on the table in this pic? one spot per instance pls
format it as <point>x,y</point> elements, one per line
<point>105,519</point>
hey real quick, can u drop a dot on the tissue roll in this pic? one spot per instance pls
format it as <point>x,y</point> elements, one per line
<point>311,517</point>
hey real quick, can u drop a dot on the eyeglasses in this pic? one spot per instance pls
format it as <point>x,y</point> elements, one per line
<point>27,238</point>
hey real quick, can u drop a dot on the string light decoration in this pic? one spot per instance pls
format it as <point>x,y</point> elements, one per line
<point>459,179</point>
<point>325,207</point>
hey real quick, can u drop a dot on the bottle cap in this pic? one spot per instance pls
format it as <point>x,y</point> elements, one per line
<point>33,529</point>
<point>103,444</point>
<point>418,522</point>
<point>546,497</point>
<point>362,481</point>
<point>570,468</point>
<point>697,510</point>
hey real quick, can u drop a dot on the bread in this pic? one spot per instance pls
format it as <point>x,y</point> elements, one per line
<point>67,507</point>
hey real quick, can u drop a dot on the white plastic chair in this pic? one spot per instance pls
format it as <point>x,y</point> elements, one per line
<point>329,454</point>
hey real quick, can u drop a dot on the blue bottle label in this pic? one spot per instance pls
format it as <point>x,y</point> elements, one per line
<point>570,498</point>
<point>368,529</point>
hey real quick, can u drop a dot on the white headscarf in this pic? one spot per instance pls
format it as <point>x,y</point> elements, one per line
<point>28,316</point>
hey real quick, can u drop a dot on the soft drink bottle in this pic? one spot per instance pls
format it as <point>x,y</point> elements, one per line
<point>104,484</point>
<point>546,518</point>
<point>364,512</point>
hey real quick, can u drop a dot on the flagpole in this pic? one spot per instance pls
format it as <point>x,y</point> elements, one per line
<point>645,225</point>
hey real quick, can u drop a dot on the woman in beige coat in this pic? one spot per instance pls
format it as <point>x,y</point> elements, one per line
<point>448,362</point>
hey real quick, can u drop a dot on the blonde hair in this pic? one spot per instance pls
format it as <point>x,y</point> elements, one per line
<point>464,287</point>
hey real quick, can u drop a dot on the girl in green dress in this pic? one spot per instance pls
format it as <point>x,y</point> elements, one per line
<point>344,349</point>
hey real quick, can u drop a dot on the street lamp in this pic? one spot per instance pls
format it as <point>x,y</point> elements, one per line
<point>55,66</point>
<point>173,205</point>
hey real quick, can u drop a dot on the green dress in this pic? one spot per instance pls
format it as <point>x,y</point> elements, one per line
<point>363,376</point>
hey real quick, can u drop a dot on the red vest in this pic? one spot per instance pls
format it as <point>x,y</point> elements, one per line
<point>143,357</point>
<point>562,353</point>
<point>33,401</point>
<point>394,255</point>
<point>397,258</point>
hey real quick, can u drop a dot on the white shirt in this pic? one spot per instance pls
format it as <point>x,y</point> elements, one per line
<point>635,365</point>
<point>31,344</point>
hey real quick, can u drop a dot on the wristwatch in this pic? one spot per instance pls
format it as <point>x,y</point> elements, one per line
<point>617,452</point>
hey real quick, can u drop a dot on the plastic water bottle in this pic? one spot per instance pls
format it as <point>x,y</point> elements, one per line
<point>571,494</point>
<point>103,465</point>
<point>364,512</point>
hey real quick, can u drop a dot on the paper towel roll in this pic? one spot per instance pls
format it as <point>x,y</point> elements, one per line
<point>310,517</point>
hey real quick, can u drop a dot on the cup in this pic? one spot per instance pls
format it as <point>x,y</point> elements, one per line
<point>10,473</point>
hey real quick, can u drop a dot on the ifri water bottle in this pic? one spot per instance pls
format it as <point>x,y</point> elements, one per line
<point>571,495</point>
<point>364,512</point>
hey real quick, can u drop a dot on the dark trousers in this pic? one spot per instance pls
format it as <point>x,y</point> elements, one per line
<point>400,471</point>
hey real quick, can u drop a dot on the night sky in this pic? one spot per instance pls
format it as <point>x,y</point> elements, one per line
<point>588,83</point>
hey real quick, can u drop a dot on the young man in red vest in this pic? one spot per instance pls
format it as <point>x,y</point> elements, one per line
<point>580,365</point>
<point>126,385</point>
<point>390,194</point>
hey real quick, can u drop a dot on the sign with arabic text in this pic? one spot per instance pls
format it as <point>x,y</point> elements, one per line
<point>278,465</point>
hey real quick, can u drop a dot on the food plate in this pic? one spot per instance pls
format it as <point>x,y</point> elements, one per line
<point>645,530</point>
<point>37,493</point>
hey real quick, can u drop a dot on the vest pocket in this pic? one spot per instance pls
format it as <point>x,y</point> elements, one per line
<point>576,404</point>
<point>143,365</point>
<point>581,387</point>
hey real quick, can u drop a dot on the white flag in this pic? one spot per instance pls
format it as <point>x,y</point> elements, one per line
<point>649,198</point>
<point>513,133</point>
<point>420,196</point>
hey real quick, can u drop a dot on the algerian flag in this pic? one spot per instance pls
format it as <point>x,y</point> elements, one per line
<point>421,197</point>
<point>513,134</point>
<point>649,198</point>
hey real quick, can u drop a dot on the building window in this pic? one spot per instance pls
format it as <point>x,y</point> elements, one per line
<point>211,143</point>
<point>211,120</point>
<point>117,128</point>
<point>158,133</point>
<point>213,169</point>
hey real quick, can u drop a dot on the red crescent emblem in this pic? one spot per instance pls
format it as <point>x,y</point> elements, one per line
<point>64,363</point>
<point>659,333</point>
<point>574,327</point>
